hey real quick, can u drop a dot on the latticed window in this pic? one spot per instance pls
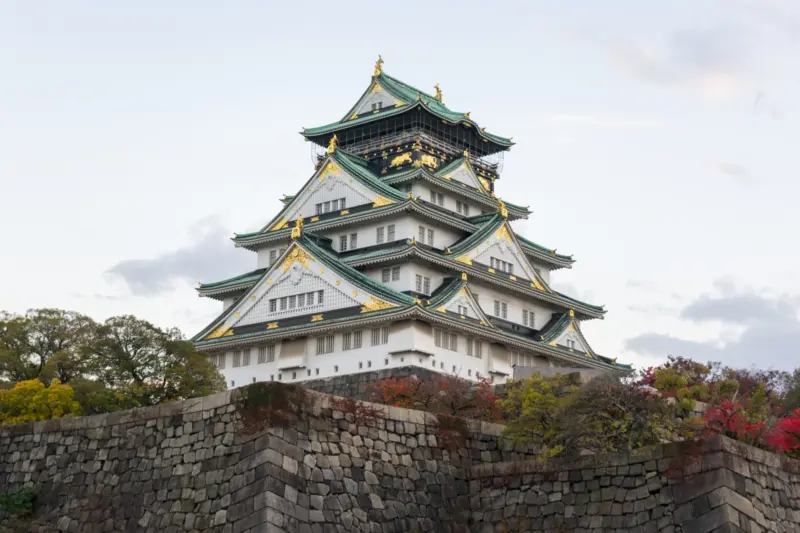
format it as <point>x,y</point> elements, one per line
<point>284,303</point>
<point>380,336</point>
<point>273,255</point>
<point>246,357</point>
<point>386,275</point>
<point>292,302</point>
<point>395,273</point>
<point>528,318</point>
<point>426,285</point>
<point>347,341</point>
<point>271,353</point>
<point>453,342</point>
<point>342,203</point>
<point>325,344</point>
<point>335,205</point>
<point>379,235</point>
<point>430,237</point>
<point>273,305</point>
<point>419,283</point>
<point>462,310</point>
<point>237,358</point>
<point>320,297</point>
<point>478,349</point>
<point>357,335</point>
<point>421,237</point>
<point>343,243</point>
<point>262,355</point>
<point>390,232</point>
<point>353,241</point>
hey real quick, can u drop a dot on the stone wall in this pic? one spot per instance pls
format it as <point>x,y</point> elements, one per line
<point>719,485</point>
<point>357,385</point>
<point>189,467</point>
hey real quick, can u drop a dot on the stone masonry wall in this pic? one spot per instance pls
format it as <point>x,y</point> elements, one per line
<point>357,385</point>
<point>719,485</point>
<point>188,467</point>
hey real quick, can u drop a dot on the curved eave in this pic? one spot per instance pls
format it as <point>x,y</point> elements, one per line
<point>253,241</point>
<point>319,135</point>
<point>224,292</point>
<point>457,187</point>
<point>501,336</point>
<point>582,310</point>
<point>555,261</point>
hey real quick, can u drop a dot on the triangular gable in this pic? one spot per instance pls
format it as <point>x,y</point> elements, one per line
<point>300,271</point>
<point>375,94</point>
<point>337,181</point>
<point>460,170</point>
<point>457,299</point>
<point>502,245</point>
<point>565,332</point>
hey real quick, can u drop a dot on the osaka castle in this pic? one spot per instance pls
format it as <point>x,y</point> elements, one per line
<point>397,251</point>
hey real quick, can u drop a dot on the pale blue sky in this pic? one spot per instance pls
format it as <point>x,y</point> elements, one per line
<point>655,141</point>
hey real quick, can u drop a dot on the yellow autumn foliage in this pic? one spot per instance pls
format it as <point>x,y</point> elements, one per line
<point>32,401</point>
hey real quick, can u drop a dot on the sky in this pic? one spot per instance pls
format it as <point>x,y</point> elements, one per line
<point>656,142</point>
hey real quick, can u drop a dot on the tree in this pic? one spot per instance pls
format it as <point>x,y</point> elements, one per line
<point>46,344</point>
<point>32,401</point>
<point>148,366</point>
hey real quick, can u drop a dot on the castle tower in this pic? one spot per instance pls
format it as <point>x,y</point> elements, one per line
<point>397,252</point>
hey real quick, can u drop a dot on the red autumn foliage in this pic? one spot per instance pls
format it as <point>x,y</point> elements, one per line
<point>785,437</point>
<point>729,418</point>
<point>357,412</point>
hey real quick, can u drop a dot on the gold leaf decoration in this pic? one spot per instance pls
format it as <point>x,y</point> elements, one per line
<point>272,325</point>
<point>374,304</point>
<point>400,159</point>
<point>222,331</point>
<point>316,318</point>
<point>297,255</point>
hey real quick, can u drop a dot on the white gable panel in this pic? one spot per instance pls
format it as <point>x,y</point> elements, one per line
<point>504,249</point>
<point>571,339</point>
<point>376,96</point>
<point>332,184</point>
<point>465,175</point>
<point>297,281</point>
<point>461,303</point>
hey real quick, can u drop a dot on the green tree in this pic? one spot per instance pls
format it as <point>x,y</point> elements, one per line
<point>32,401</point>
<point>46,344</point>
<point>147,365</point>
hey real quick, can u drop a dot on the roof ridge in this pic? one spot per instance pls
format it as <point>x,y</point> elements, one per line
<point>213,284</point>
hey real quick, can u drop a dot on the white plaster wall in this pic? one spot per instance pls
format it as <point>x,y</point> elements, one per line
<point>404,338</point>
<point>488,294</point>
<point>263,254</point>
<point>406,227</point>
<point>227,302</point>
<point>544,270</point>
<point>425,270</point>
<point>365,104</point>
<point>399,285</point>
<point>423,190</point>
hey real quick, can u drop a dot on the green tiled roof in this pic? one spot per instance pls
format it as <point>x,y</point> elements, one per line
<point>236,280</point>
<point>411,98</point>
<point>548,251</point>
<point>598,308</point>
<point>554,327</point>
<point>488,227</point>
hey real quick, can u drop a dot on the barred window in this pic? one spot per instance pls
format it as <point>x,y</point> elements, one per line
<point>426,285</point>
<point>246,357</point>
<point>273,305</point>
<point>284,302</point>
<point>419,283</point>
<point>270,353</point>
<point>386,275</point>
<point>458,206</point>
<point>335,205</point>
<point>430,237</point>
<point>262,355</point>
<point>342,203</point>
<point>453,342</point>
<point>466,209</point>
<point>395,273</point>
<point>301,300</point>
<point>469,347</point>
<point>478,350</point>
<point>504,309</point>
<point>347,341</point>
<point>380,336</point>
<point>273,255</point>
<point>528,318</point>
<point>379,235</point>
<point>440,199</point>
<point>237,358</point>
<point>433,196</point>
<point>390,232</point>
<point>320,297</point>
<point>326,207</point>
<point>343,243</point>
<point>462,310</point>
<point>310,298</point>
<point>422,234</point>
<point>324,344</point>
<point>318,209</point>
<point>292,302</point>
<point>353,241</point>
<point>357,339</point>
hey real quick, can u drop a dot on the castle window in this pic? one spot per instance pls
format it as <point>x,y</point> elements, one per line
<point>237,358</point>
<point>421,237</point>
<point>386,275</point>
<point>377,106</point>
<point>380,336</point>
<point>357,335</point>
<point>453,342</point>
<point>369,364</point>
<point>246,357</point>
<point>320,297</point>
<point>462,208</point>
<point>301,300</point>
<point>386,361</point>
<point>426,285</point>
<point>500,309</point>
<point>326,207</point>
<point>528,318</point>
<point>462,310</point>
<point>379,235</point>
<point>360,365</point>
<point>430,237</point>
<point>294,375</point>
<point>335,205</point>
<point>316,371</point>
<point>273,305</point>
<point>395,273</point>
<point>318,209</point>
<point>341,203</point>
<point>292,302</point>
<point>310,298</point>
<point>347,341</point>
<point>324,344</point>
<point>343,243</point>
<point>390,232</point>
<point>353,241</point>
<point>273,255</point>
<point>284,302</point>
